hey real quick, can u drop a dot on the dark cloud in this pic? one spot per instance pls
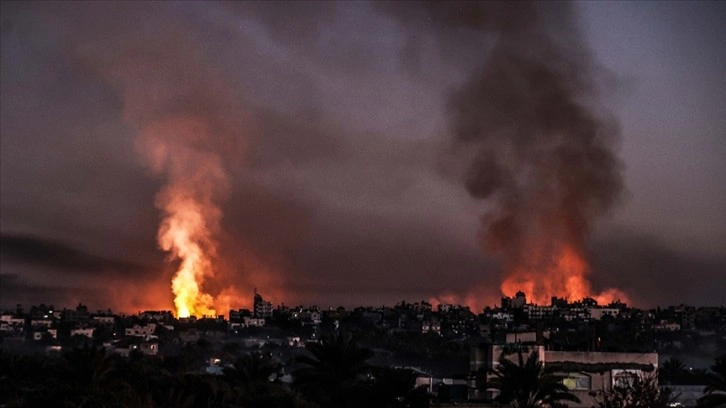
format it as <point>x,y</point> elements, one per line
<point>57,255</point>
<point>655,273</point>
<point>543,153</point>
<point>15,290</point>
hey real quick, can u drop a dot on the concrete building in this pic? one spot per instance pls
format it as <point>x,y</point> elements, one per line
<point>79,315</point>
<point>137,330</point>
<point>516,302</point>
<point>262,308</point>
<point>597,313</point>
<point>88,332</point>
<point>104,320</point>
<point>583,372</point>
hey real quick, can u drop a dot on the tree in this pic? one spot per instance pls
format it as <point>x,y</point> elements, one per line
<point>715,391</point>
<point>396,388</point>
<point>333,373</point>
<point>87,367</point>
<point>24,380</point>
<point>528,384</point>
<point>253,374</point>
<point>251,368</point>
<point>87,379</point>
<point>641,391</point>
<point>673,372</point>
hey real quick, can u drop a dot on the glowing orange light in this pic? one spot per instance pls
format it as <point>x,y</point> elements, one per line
<point>195,181</point>
<point>555,271</point>
<point>185,235</point>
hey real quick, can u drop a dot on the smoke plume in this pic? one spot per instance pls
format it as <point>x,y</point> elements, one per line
<point>543,153</point>
<point>184,116</point>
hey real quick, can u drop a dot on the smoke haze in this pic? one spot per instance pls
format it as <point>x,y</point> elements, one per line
<point>544,155</point>
<point>344,153</point>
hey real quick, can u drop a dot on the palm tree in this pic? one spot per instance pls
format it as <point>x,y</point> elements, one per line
<point>673,372</point>
<point>251,368</point>
<point>528,384</point>
<point>396,388</point>
<point>334,371</point>
<point>716,389</point>
<point>87,378</point>
<point>24,380</point>
<point>88,367</point>
<point>205,390</point>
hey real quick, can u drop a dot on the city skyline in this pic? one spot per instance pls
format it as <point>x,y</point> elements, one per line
<point>324,156</point>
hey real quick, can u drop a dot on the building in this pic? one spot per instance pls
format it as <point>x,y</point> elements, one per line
<point>598,313</point>
<point>253,322</point>
<point>104,320</point>
<point>137,330</point>
<point>262,308</point>
<point>516,302</point>
<point>79,315</point>
<point>157,315</point>
<point>87,332</point>
<point>583,372</point>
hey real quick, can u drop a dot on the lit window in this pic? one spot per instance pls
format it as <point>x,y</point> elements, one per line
<point>577,381</point>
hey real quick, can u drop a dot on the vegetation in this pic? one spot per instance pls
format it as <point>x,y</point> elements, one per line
<point>336,373</point>
<point>528,384</point>
<point>396,388</point>
<point>639,392</point>
<point>716,389</point>
<point>673,371</point>
<point>90,377</point>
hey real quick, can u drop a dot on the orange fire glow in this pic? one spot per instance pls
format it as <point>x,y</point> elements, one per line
<point>190,222</point>
<point>183,233</point>
<point>562,274</point>
<point>189,233</point>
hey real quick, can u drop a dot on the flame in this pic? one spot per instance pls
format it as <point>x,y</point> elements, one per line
<point>560,270</point>
<point>191,216</point>
<point>183,234</point>
<point>479,297</point>
<point>190,122</point>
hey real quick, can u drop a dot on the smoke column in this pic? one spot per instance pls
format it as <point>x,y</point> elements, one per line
<point>185,117</point>
<point>543,158</point>
<point>190,215</point>
<point>542,155</point>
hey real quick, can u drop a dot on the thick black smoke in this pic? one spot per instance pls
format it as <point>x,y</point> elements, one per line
<point>543,152</point>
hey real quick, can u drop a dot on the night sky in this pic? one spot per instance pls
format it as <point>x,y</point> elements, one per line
<point>344,165</point>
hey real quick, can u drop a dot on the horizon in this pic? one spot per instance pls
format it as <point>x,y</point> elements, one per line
<point>96,309</point>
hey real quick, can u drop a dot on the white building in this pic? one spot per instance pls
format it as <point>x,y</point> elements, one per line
<point>41,323</point>
<point>88,332</point>
<point>105,320</point>
<point>254,322</point>
<point>137,330</point>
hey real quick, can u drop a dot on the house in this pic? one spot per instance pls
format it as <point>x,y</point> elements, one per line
<point>88,332</point>
<point>104,320</point>
<point>431,327</point>
<point>583,372</point>
<point>157,315</point>
<point>137,330</point>
<point>597,313</point>
<point>124,347</point>
<point>598,371</point>
<point>12,324</point>
<point>254,322</point>
<point>37,323</point>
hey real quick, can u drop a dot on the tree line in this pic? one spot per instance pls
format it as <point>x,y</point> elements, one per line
<point>335,373</point>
